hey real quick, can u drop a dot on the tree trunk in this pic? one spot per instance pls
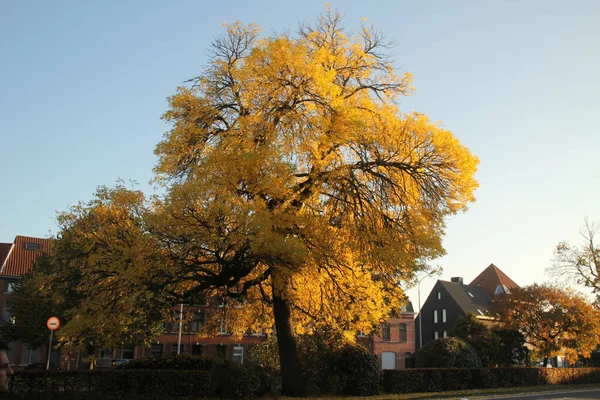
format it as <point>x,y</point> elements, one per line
<point>545,361</point>
<point>292,382</point>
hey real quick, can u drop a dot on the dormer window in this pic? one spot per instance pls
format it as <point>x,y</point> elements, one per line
<point>33,246</point>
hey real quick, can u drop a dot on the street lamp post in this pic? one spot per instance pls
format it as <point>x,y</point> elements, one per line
<point>433,272</point>
<point>180,326</point>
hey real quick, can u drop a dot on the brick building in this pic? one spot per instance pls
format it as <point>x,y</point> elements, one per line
<point>395,342</point>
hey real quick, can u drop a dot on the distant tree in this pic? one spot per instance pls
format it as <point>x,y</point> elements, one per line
<point>581,263</point>
<point>554,321</point>
<point>494,344</point>
<point>96,280</point>
<point>478,335</point>
<point>512,349</point>
<point>447,353</point>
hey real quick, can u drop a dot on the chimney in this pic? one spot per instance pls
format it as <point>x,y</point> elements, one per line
<point>457,279</point>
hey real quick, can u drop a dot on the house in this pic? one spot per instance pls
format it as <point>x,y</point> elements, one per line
<point>395,342</point>
<point>494,281</point>
<point>16,259</point>
<point>450,301</point>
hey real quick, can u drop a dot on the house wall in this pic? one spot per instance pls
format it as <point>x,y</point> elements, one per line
<point>401,349</point>
<point>432,303</point>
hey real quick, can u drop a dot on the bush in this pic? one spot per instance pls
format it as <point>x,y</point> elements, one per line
<point>447,353</point>
<point>358,371</point>
<point>330,364</point>
<point>222,380</point>
<point>438,380</point>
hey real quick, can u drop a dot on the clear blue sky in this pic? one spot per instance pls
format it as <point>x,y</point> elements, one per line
<point>83,86</point>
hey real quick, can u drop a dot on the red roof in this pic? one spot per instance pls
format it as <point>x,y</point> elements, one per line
<point>494,281</point>
<point>22,254</point>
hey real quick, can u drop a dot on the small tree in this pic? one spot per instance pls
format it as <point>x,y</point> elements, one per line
<point>554,321</point>
<point>495,345</point>
<point>478,335</point>
<point>580,264</point>
<point>511,347</point>
<point>447,353</point>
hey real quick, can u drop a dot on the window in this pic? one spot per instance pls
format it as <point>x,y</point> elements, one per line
<point>445,334</point>
<point>238,354</point>
<point>29,356</point>
<point>221,351</point>
<point>10,286</point>
<point>435,317</point>
<point>361,334</point>
<point>174,348</point>
<point>439,295</point>
<point>197,349</point>
<point>403,333</point>
<point>436,335</point>
<point>222,327</point>
<point>33,246</point>
<point>128,351</point>
<point>444,315</point>
<point>197,322</point>
<point>156,350</point>
<point>385,332</point>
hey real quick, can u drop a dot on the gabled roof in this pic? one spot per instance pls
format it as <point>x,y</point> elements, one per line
<point>494,281</point>
<point>22,254</point>
<point>471,299</point>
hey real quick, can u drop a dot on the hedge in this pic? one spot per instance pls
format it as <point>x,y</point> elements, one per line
<point>228,380</point>
<point>441,379</point>
<point>225,380</point>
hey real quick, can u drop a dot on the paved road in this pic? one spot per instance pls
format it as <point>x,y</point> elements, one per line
<point>568,394</point>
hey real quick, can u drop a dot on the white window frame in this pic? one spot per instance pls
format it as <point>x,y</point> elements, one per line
<point>436,335</point>
<point>439,295</point>
<point>240,350</point>
<point>445,334</point>
<point>435,316</point>
<point>443,315</point>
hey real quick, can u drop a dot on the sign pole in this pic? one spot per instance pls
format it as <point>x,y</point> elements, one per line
<point>49,350</point>
<point>53,323</point>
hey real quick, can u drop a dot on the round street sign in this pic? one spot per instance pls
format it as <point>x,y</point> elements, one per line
<point>53,323</point>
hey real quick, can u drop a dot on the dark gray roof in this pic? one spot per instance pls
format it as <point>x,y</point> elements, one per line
<point>409,308</point>
<point>471,299</point>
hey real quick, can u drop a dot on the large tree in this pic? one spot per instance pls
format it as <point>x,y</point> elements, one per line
<point>295,185</point>
<point>580,264</point>
<point>554,321</point>
<point>294,190</point>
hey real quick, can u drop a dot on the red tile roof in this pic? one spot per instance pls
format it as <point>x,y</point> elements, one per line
<point>22,254</point>
<point>490,278</point>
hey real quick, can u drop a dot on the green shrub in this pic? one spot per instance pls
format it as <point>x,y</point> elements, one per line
<point>447,353</point>
<point>358,371</point>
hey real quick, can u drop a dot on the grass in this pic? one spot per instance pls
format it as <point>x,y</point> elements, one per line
<point>471,393</point>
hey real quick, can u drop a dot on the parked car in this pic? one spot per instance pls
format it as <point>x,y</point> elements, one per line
<point>106,363</point>
<point>40,366</point>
